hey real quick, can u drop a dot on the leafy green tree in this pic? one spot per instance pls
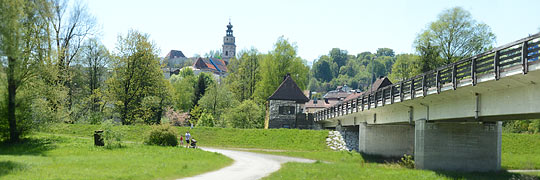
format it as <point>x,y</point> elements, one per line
<point>95,59</point>
<point>204,81</point>
<point>322,70</point>
<point>247,115</point>
<point>385,52</point>
<point>274,66</point>
<point>338,56</point>
<point>216,101</point>
<point>23,49</point>
<point>405,67</point>
<point>429,53</point>
<point>206,120</point>
<point>244,74</point>
<point>183,91</point>
<point>136,75</point>
<point>457,35</point>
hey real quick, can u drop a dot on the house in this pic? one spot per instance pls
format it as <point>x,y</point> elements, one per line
<point>286,106</point>
<point>213,65</point>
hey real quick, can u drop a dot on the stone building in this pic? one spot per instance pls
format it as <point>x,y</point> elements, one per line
<point>286,106</point>
<point>229,46</point>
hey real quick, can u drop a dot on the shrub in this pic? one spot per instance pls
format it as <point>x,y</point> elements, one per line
<point>111,137</point>
<point>163,135</point>
<point>407,161</point>
<point>206,120</point>
<point>176,118</point>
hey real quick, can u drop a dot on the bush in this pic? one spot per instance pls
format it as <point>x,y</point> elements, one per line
<point>206,120</point>
<point>112,138</point>
<point>407,161</point>
<point>163,135</point>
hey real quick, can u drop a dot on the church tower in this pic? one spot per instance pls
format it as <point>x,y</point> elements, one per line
<point>229,46</point>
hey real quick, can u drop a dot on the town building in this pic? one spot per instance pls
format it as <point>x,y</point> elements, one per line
<point>286,105</point>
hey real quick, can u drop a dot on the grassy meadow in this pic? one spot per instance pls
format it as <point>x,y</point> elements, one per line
<point>49,156</point>
<point>65,151</point>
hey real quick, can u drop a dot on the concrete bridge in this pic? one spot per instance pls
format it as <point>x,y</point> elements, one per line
<point>449,118</point>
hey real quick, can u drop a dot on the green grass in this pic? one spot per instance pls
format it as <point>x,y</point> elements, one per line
<point>520,151</point>
<point>48,156</point>
<point>285,139</point>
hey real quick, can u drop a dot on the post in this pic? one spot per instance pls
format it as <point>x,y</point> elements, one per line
<point>424,85</point>
<point>496,68</point>
<point>401,92</point>
<point>454,79</point>
<point>524,55</point>
<point>438,81</point>
<point>473,71</point>
<point>412,89</point>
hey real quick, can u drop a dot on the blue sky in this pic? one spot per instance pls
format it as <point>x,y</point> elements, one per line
<point>316,26</point>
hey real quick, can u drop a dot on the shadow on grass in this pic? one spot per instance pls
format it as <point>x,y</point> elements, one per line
<point>486,175</point>
<point>369,158</point>
<point>7,167</point>
<point>453,174</point>
<point>29,146</point>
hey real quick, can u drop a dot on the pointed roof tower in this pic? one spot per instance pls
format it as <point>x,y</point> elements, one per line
<point>289,90</point>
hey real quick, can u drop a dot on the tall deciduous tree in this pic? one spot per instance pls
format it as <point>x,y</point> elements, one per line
<point>274,66</point>
<point>456,35</point>
<point>23,49</point>
<point>244,74</point>
<point>406,67</point>
<point>95,59</point>
<point>136,75</point>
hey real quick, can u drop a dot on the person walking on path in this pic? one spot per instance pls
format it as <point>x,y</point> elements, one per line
<point>188,138</point>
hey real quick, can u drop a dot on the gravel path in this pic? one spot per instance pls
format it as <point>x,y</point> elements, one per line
<point>247,165</point>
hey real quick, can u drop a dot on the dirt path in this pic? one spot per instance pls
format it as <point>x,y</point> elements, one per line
<point>247,165</point>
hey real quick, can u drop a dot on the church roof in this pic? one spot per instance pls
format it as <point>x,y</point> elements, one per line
<point>288,90</point>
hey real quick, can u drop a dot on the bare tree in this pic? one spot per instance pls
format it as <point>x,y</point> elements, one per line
<point>71,27</point>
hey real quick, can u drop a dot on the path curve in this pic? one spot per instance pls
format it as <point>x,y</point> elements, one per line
<point>247,165</point>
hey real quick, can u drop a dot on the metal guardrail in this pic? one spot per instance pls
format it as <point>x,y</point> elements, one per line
<point>522,53</point>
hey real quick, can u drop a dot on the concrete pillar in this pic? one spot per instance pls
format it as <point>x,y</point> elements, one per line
<point>458,146</point>
<point>386,140</point>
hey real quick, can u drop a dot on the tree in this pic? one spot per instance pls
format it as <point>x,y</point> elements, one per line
<point>405,67</point>
<point>244,73</point>
<point>95,58</point>
<point>183,91</point>
<point>23,49</point>
<point>338,56</point>
<point>69,33</point>
<point>274,66</point>
<point>246,115</point>
<point>204,81</point>
<point>322,70</point>
<point>385,52</point>
<point>429,53</point>
<point>136,75</point>
<point>216,101</point>
<point>457,35</point>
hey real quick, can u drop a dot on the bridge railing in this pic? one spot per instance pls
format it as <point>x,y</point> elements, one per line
<point>518,54</point>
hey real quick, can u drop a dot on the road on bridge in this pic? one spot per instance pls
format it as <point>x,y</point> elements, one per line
<point>247,165</point>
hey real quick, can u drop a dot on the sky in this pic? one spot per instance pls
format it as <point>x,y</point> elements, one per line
<point>315,26</point>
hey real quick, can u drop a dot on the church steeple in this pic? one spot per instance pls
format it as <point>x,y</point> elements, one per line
<point>229,29</point>
<point>229,46</point>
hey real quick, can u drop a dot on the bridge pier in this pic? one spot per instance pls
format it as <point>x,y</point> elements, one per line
<point>458,146</point>
<point>386,140</point>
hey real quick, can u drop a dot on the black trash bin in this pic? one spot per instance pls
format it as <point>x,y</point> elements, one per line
<point>98,138</point>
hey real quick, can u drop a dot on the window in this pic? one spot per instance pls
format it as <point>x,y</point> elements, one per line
<point>286,110</point>
<point>226,53</point>
<point>286,126</point>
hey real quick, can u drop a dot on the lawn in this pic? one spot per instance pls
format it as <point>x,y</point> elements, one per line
<point>519,151</point>
<point>49,156</point>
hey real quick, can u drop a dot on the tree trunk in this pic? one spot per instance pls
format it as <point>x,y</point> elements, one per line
<point>12,90</point>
